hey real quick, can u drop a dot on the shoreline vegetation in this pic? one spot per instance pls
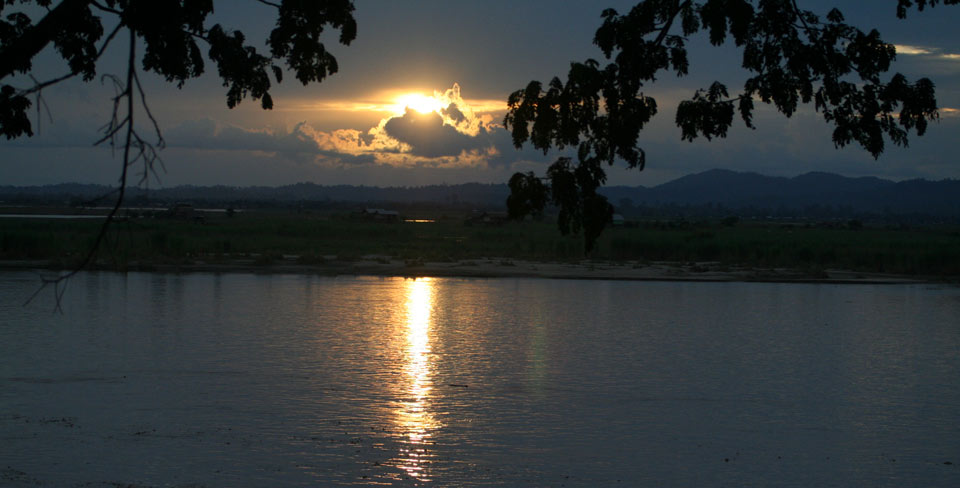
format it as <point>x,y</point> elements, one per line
<point>275,241</point>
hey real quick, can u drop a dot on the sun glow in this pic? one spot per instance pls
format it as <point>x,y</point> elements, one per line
<point>417,101</point>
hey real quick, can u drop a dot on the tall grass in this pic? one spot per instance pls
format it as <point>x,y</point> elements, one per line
<point>265,238</point>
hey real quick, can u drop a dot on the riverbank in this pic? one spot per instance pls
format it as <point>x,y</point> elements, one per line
<point>333,244</point>
<point>510,268</point>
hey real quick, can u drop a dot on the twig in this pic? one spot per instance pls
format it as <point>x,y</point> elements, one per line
<point>41,103</point>
<point>669,23</point>
<point>265,2</point>
<point>153,155</point>
<point>60,281</point>
<point>39,86</point>
<point>104,7</point>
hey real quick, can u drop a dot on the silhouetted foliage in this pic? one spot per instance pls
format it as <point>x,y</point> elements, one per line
<point>171,32</point>
<point>528,195</point>
<point>794,56</point>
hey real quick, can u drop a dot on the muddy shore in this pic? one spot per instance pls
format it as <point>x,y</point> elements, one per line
<point>511,268</point>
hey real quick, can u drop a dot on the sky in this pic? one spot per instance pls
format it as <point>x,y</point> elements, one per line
<point>420,99</point>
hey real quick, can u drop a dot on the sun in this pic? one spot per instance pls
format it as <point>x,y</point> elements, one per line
<point>417,101</point>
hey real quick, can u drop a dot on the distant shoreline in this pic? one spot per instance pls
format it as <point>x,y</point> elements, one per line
<point>462,245</point>
<point>511,268</point>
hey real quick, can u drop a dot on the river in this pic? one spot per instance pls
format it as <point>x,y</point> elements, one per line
<point>226,380</point>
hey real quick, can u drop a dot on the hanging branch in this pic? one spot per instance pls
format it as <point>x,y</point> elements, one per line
<point>169,33</point>
<point>148,152</point>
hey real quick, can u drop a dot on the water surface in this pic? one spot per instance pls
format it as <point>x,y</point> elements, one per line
<point>294,380</point>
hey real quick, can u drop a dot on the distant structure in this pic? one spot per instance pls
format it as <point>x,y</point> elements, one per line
<point>380,215</point>
<point>488,218</point>
<point>184,211</point>
<point>618,220</point>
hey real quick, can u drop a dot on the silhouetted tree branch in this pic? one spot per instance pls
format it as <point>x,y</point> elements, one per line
<point>169,31</point>
<point>126,96</point>
<point>794,56</point>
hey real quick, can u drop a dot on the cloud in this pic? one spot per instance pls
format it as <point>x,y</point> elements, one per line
<point>912,50</point>
<point>212,135</point>
<point>429,136</point>
<point>928,52</point>
<point>454,113</point>
<point>454,136</point>
<point>460,133</point>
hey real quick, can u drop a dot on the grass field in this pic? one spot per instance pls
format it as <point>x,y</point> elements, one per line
<point>314,238</point>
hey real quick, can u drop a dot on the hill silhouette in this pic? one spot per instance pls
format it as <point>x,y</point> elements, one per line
<point>716,191</point>
<point>738,191</point>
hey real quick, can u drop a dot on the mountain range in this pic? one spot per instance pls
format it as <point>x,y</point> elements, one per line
<point>714,191</point>
<point>738,191</point>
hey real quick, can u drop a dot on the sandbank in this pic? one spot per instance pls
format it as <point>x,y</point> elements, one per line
<point>511,268</point>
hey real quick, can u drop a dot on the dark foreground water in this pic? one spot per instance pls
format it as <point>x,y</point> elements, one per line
<point>158,380</point>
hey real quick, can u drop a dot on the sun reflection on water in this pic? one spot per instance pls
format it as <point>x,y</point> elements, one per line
<point>415,419</point>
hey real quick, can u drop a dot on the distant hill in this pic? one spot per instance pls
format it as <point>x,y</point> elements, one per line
<point>738,191</point>
<point>712,192</point>
<point>485,195</point>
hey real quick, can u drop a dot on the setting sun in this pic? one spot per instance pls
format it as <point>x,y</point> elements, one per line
<point>417,101</point>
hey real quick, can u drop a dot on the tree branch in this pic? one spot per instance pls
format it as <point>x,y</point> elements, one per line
<point>666,28</point>
<point>17,56</point>
<point>60,281</point>
<point>104,8</point>
<point>40,86</point>
<point>809,31</point>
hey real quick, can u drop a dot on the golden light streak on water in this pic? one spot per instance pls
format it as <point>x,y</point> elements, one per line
<point>415,419</point>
